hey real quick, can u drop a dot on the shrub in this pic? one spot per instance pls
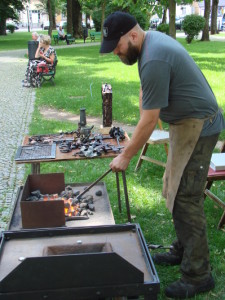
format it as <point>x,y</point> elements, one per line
<point>142,19</point>
<point>163,28</point>
<point>10,27</point>
<point>192,25</point>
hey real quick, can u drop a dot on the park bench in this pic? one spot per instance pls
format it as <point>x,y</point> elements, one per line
<point>93,35</point>
<point>70,38</point>
<point>50,76</point>
<point>56,38</point>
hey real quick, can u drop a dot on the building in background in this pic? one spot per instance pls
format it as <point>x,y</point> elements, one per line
<point>37,15</point>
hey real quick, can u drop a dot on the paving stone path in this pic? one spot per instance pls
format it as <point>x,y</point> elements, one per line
<point>16,106</point>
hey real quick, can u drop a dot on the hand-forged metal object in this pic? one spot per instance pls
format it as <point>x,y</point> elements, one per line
<point>90,146</point>
<point>153,247</point>
<point>117,132</point>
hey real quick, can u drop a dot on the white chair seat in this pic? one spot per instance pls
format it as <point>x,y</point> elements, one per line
<point>157,137</point>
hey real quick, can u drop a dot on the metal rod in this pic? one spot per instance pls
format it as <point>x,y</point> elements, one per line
<point>118,191</point>
<point>126,195</point>
<point>93,184</point>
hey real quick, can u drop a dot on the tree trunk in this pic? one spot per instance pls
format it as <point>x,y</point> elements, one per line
<point>172,15</point>
<point>2,26</point>
<point>205,33</point>
<point>103,17</point>
<point>164,15</point>
<point>69,17</point>
<point>77,19</point>
<point>214,28</point>
<point>53,14</point>
<point>49,7</point>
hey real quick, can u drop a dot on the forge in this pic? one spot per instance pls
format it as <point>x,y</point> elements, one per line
<point>51,214</point>
<point>76,263</point>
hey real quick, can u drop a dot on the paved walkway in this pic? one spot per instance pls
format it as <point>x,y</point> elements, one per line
<point>215,38</point>
<point>16,106</point>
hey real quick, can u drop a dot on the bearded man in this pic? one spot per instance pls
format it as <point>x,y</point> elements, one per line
<point>173,89</point>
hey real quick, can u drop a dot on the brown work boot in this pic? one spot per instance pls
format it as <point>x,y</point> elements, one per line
<point>171,258</point>
<point>182,289</point>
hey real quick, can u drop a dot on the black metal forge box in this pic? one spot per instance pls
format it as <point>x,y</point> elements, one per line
<point>52,213</point>
<point>39,214</point>
<point>94,262</point>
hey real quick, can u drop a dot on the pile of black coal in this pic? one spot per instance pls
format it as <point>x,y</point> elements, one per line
<point>74,207</point>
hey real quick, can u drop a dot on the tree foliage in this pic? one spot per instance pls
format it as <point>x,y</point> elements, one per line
<point>138,8</point>
<point>9,9</point>
<point>163,28</point>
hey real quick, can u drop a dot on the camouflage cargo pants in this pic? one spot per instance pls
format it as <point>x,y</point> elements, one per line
<point>188,213</point>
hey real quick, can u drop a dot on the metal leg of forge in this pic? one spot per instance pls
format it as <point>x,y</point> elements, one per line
<point>118,191</point>
<point>35,168</point>
<point>126,195</point>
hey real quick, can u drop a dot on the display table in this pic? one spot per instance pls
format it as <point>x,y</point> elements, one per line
<point>59,156</point>
<point>74,156</point>
<point>215,176</point>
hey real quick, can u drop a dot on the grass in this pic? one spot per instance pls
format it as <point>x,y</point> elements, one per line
<point>80,74</point>
<point>18,40</point>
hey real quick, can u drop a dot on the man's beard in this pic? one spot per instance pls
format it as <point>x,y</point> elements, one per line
<point>131,56</point>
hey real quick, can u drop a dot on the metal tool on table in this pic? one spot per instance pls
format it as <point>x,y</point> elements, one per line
<point>154,247</point>
<point>93,184</point>
<point>118,134</point>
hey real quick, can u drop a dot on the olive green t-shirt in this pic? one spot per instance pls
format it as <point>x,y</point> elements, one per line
<point>172,82</point>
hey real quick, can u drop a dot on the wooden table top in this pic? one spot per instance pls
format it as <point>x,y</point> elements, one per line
<point>70,155</point>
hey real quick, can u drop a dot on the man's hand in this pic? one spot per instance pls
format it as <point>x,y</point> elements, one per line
<point>140,136</point>
<point>119,163</point>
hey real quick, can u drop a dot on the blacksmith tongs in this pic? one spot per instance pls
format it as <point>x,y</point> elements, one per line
<point>93,184</point>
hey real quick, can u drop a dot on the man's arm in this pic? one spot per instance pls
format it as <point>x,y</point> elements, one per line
<point>140,101</point>
<point>144,129</point>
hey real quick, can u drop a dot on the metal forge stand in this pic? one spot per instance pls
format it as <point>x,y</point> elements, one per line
<point>76,263</point>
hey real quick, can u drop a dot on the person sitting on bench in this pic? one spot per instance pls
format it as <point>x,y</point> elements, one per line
<point>35,36</point>
<point>45,54</point>
<point>62,35</point>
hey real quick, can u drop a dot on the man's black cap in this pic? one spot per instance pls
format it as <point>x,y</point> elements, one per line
<point>116,25</point>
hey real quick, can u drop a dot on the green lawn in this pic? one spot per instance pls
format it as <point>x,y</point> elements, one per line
<point>80,74</point>
<point>18,40</point>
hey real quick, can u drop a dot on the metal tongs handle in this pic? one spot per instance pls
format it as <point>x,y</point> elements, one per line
<point>93,184</point>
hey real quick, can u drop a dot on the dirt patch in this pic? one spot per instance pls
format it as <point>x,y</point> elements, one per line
<point>60,115</point>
